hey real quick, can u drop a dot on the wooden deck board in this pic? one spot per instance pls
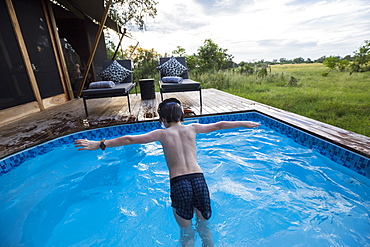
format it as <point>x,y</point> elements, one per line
<point>70,117</point>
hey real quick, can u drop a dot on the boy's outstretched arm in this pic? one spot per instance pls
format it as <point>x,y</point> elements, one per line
<point>85,144</point>
<point>205,128</point>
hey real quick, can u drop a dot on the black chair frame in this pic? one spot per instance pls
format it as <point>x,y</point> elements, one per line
<point>186,86</point>
<point>122,89</point>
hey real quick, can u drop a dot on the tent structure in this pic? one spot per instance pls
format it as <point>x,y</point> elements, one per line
<point>43,41</point>
<point>94,9</point>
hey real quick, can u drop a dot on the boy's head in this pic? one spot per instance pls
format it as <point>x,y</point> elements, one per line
<point>171,110</point>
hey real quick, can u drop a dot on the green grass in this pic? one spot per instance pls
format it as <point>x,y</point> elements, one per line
<point>339,99</point>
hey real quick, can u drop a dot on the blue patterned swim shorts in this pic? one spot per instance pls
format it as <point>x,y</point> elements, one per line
<point>188,192</point>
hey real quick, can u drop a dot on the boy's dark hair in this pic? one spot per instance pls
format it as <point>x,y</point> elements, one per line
<point>171,110</point>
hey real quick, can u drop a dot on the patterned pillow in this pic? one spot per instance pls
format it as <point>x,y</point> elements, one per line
<point>172,67</point>
<point>115,72</point>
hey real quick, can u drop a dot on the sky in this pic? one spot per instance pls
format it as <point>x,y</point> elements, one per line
<point>252,30</point>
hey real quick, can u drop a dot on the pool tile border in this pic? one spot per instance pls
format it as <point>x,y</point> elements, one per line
<point>340,155</point>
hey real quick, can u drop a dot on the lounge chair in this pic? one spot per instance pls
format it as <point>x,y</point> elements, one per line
<point>183,85</point>
<point>117,82</point>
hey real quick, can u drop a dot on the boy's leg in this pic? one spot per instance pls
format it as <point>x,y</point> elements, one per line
<point>203,229</point>
<point>186,232</point>
<point>183,223</point>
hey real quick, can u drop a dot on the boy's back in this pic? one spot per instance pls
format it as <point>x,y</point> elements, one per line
<point>179,147</point>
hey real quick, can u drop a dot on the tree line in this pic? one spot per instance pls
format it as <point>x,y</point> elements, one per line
<point>210,57</point>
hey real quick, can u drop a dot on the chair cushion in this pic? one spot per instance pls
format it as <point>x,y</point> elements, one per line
<point>115,72</point>
<point>102,84</point>
<point>186,85</point>
<point>174,79</point>
<point>118,90</point>
<point>172,67</point>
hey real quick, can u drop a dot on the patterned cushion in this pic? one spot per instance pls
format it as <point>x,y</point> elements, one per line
<point>102,84</point>
<point>115,72</point>
<point>172,67</point>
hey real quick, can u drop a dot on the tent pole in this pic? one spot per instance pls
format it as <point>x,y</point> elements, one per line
<point>24,53</point>
<point>115,53</point>
<point>134,50</point>
<point>92,54</point>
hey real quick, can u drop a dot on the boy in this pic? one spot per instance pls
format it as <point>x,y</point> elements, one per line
<point>189,191</point>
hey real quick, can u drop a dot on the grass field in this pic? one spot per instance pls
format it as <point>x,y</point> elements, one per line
<point>339,99</point>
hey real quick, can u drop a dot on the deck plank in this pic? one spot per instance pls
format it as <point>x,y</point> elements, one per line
<point>70,117</point>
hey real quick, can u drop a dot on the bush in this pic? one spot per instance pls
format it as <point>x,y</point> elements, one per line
<point>325,73</point>
<point>262,72</point>
<point>218,80</point>
<point>293,82</point>
<point>342,65</point>
<point>246,69</point>
<point>331,62</point>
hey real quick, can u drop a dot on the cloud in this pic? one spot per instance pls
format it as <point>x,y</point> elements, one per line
<point>178,17</point>
<point>260,29</point>
<point>287,44</point>
<point>212,7</point>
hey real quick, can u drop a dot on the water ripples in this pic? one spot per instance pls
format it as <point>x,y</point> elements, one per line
<point>281,189</point>
<point>265,189</point>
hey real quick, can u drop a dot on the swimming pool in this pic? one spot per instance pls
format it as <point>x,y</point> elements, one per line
<point>266,189</point>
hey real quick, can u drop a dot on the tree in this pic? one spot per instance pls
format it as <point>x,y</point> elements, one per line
<point>212,57</point>
<point>320,60</point>
<point>145,62</point>
<point>298,60</point>
<point>308,60</point>
<point>180,51</point>
<point>125,11</point>
<point>111,49</point>
<point>331,62</point>
<point>191,62</point>
<point>348,58</point>
<point>343,64</point>
<point>282,60</point>
<point>362,58</point>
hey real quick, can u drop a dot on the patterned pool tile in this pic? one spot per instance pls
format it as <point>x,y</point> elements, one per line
<point>340,155</point>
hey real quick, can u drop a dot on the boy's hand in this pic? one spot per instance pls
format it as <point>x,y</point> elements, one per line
<point>249,124</point>
<point>87,145</point>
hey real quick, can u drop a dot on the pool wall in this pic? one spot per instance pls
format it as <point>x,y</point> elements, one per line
<point>340,155</point>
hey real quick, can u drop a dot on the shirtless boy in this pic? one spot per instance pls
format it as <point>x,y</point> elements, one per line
<point>189,191</point>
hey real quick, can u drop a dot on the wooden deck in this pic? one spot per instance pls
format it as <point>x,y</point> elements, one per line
<point>70,117</point>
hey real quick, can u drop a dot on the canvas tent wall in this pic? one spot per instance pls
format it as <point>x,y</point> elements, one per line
<point>33,65</point>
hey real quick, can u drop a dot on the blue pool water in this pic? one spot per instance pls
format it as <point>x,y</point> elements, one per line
<point>266,190</point>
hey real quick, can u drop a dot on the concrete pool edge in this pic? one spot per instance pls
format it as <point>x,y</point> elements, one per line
<point>345,156</point>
